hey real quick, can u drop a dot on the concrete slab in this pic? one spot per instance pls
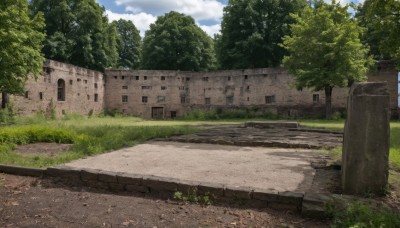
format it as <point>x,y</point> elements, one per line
<point>272,169</point>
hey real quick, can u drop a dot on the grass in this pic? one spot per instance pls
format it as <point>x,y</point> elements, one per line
<point>87,139</point>
<point>357,214</point>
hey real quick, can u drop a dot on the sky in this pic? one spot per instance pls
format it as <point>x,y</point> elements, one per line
<point>207,13</point>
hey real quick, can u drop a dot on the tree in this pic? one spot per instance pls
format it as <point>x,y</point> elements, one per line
<point>252,31</point>
<point>129,44</point>
<point>175,42</point>
<point>20,42</point>
<point>325,50</point>
<point>77,32</point>
<point>382,20</point>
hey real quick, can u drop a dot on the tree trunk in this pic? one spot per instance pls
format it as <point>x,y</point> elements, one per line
<point>328,102</point>
<point>4,100</point>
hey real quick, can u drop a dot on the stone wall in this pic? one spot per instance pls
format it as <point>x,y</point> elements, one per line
<point>145,93</point>
<point>81,87</point>
<point>165,94</point>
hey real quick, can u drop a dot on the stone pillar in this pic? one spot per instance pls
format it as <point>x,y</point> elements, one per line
<point>366,140</point>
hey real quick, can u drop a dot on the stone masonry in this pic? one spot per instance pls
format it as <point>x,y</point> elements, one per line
<point>365,158</point>
<point>161,94</point>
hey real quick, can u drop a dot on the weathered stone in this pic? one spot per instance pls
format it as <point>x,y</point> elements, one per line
<point>160,183</point>
<point>64,172</point>
<point>129,179</point>
<point>238,192</point>
<point>214,189</point>
<point>294,198</point>
<point>136,188</point>
<point>107,177</point>
<point>265,195</point>
<point>89,175</point>
<point>366,140</point>
<point>116,187</point>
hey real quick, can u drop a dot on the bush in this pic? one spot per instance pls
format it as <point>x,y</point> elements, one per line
<point>7,116</point>
<point>220,114</point>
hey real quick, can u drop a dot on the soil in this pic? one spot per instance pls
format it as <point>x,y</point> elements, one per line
<point>32,202</point>
<point>43,149</point>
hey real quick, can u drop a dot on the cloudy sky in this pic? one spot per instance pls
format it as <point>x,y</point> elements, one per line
<point>207,13</point>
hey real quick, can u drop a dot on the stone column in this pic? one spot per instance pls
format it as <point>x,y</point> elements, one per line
<point>366,139</point>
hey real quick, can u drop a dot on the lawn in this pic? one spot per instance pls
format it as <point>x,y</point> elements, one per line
<point>102,134</point>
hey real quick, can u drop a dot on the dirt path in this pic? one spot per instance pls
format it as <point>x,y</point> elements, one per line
<point>29,202</point>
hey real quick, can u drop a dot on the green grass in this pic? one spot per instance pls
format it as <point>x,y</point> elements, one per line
<point>366,215</point>
<point>87,140</point>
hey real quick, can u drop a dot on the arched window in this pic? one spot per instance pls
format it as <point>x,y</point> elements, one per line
<point>61,90</point>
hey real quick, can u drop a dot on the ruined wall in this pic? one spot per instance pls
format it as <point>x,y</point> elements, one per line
<point>144,93</point>
<point>81,87</point>
<point>386,72</point>
<point>166,94</point>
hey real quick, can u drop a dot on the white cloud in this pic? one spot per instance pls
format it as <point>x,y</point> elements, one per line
<point>198,9</point>
<point>212,29</point>
<point>141,20</point>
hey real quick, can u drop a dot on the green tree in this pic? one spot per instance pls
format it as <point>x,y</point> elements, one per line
<point>252,31</point>
<point>325,50</point>
<point>20,42</point>
<point>175,42</point>
<point>77,32</point>
<point>129,44</point>
<point>382,20</point>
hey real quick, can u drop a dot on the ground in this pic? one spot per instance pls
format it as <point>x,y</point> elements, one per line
<point>31,202</point>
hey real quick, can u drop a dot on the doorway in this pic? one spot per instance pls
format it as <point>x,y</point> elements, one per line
<point>157,113</point>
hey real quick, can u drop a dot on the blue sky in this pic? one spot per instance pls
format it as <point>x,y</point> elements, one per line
<point>207,13</point>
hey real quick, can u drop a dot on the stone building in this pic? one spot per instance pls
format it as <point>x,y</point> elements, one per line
<point>167,94</point>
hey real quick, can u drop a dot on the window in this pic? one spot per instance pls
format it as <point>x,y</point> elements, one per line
<point>124,87</point>
<point>248,99</point>
<point>26,94</point>
<point>61,90</point>
<point>246,77</point>
<point>270,99</point>
<point>95,85</point>
<point>183,100</point>
<point>162,78</point>
<point>96,97</point>
<point>229,78</point>
<point>229,100</point>
<point>124,99</point>
<point>123,77</point>
<point>181,88</point>
<point>207,100</point>
<point>144,99</point>
<point>85,81</point>
<point>205,79</point>
<point>40,96</point>
<point>248,88</point>
<point>115,77</point>
<point>173,114</point>
<point>71,82</point>
<point>163,87</point>
<point>78,79</point>
<point>88,97</point>
<point>145,77</point>
<point>315,98</point>
<point>146,87</point>
<point>187,79</point>
<point>160,99</point>
<point>137,78</point>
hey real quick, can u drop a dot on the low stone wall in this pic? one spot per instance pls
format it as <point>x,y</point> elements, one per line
<point>164,188</point>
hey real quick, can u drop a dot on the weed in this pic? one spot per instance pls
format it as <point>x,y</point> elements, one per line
<point>192,196</point>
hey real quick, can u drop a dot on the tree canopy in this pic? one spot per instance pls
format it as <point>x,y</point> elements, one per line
<point>252,31</point>
<point>325,50</point>
<point>21,43</point>
<point>175,42</point>
<point>382,20</point>
<point>129,44</point>
<point>77,32</point>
